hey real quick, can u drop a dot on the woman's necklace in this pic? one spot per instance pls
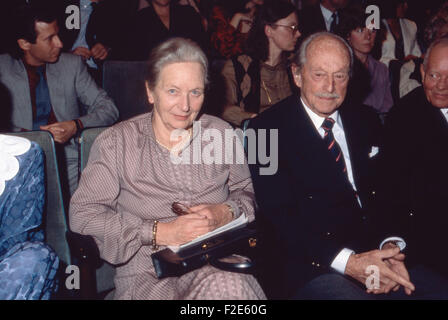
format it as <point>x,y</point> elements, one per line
<point>267,92</point>
<point>184,139</point>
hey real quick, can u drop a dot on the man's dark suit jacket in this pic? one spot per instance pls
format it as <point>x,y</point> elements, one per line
<point>311,20</point>
<point>416,160</point>
<point>146,30</point>
<point>308,211</point>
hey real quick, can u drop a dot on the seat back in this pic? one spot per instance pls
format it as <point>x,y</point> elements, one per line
<point>55,219</point>
<point>106,273</point>
<point>124,82</point>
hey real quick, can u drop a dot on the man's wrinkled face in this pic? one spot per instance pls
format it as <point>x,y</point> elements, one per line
<point>435,76</point>
<point>323,79</point>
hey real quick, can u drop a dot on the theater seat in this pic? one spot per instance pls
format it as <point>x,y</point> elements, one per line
<point>96,274</point>
<point>124,82</point>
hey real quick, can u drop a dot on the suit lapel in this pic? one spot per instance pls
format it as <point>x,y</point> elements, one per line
<point>354,142</point>
<point>23,96</point>
<point>56,89</point>
<point>308,150</point>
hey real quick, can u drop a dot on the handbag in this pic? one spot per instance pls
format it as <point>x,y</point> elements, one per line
<point>231,250</point>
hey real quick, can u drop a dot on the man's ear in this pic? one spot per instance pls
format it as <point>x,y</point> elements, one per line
<point>149,93</point>
<point>422,72</point>
<point>23,44</point>
<point>295,71</point>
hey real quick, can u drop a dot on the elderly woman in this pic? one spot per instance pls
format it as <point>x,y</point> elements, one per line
<point>126,191</point>
<point>259,79</point>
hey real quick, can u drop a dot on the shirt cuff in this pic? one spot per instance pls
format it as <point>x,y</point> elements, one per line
<point>146,232</point>
<point>340,262</point>
<point>398,241</point>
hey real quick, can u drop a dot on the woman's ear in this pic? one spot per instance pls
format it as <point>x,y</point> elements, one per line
<point>268,30</point>
<point>149,93</point>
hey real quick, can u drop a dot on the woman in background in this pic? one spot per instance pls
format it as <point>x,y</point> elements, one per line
<point>401,33</point>
<point>230,23</point>
<point>370,82</point>
<point>260,78</point>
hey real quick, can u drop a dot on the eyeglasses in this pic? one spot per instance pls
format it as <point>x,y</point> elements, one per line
<point>436,77</point>
<point>293,28</point>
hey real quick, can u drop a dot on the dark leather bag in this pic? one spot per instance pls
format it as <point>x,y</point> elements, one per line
<point>232,250</point>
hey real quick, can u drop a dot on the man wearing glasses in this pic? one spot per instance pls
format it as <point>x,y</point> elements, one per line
<point>416,158</point>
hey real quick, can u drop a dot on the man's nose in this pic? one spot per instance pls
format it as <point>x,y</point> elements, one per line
<point>58,43</point>
<point>329,84</point>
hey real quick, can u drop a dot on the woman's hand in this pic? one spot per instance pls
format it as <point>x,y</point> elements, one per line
<point>217,214</point>
<point>241,18</point>
<point>184,229</point>
<point>202,218</point>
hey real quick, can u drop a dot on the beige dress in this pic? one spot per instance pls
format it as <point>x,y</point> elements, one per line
<point>274,87</point>
<point>128,183</point>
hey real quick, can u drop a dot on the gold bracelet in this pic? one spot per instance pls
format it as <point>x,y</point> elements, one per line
<point>154,233</point>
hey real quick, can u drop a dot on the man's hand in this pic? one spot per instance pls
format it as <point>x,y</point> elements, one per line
<point>83,52</point>
<point>396,264</point>
<point>389,277</point>
<point>99,51</point>
<point>218,214</point>
<point>61,131</point>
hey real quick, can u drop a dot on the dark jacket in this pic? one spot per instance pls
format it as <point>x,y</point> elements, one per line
<point>308,209</point>
<point>416,178</point>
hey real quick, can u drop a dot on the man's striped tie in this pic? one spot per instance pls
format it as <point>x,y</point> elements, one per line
<point>332,145</point>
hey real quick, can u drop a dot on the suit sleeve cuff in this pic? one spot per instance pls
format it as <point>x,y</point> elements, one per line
<point>340,262</point>
<point>398,241</point>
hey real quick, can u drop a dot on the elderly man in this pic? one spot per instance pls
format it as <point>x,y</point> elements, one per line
<point>45,86</point>
<point>416,158</point>
<point>316,211</point>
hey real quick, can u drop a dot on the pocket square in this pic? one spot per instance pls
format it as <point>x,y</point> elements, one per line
<point>373,152</point>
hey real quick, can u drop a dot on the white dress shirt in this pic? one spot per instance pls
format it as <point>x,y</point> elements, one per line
<point>339,263</point>
<point>85,11</point>
<point>445,113</point>
<point>327,17</point>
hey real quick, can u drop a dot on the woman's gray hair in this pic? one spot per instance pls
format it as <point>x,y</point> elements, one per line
<point>171,51</point>
<point>299,59</point>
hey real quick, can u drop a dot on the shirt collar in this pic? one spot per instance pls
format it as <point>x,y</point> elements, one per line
<point>326,13</point>
<point>445,113</point>
<point>31,68</point>
<point>317,119</point>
